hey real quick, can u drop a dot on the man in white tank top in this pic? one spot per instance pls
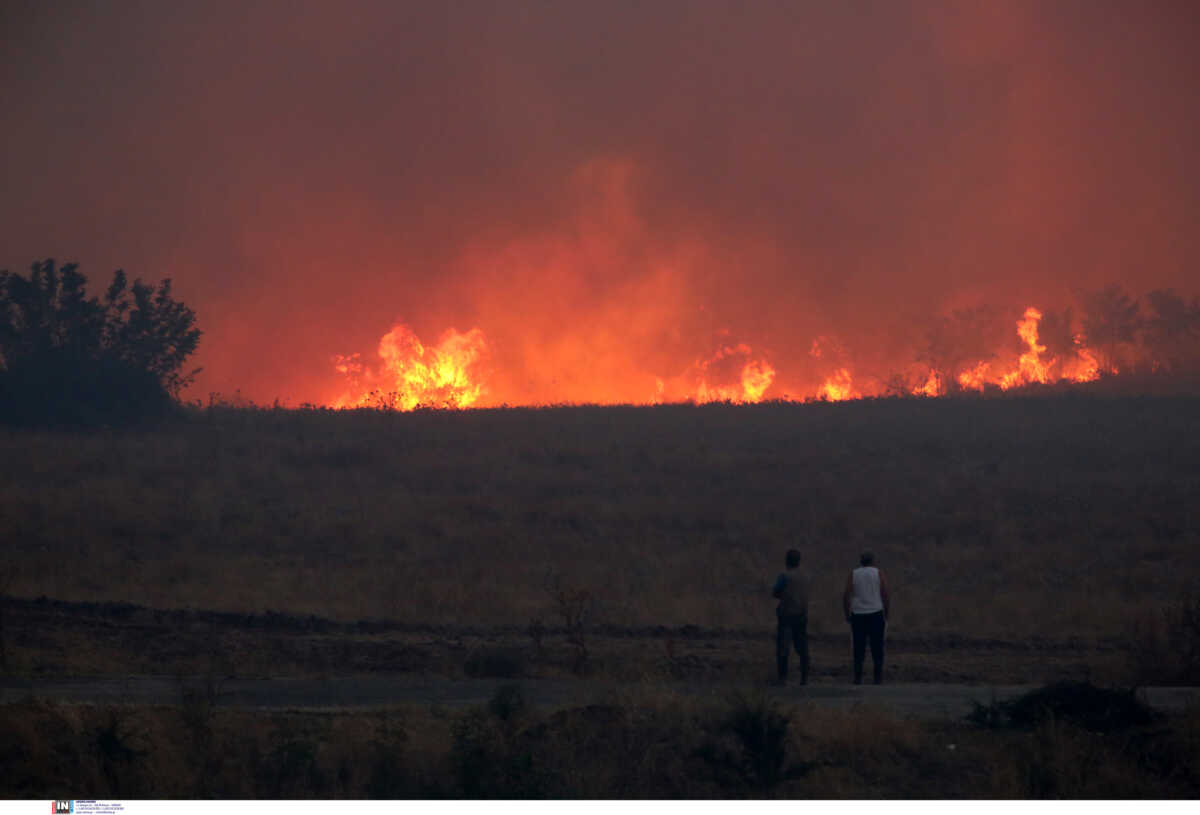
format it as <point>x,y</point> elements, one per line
<point>866,605</point>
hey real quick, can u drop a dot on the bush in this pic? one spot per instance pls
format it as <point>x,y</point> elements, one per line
<point>576,607</point>
<point>747,747</point>
<point>114,745</point>
<point>55,388</point>
<point>1082,704</point>
<point>67,359</point>
<point>493,758</point>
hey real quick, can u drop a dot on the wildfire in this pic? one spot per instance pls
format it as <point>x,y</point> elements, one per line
<point>449,374</point>
<point>596,308</point>
<point>413,375</point>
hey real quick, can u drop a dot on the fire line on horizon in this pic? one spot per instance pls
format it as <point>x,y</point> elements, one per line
<point>452,374</point>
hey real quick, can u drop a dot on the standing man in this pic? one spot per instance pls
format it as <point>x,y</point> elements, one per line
<point>865,602</point>
<point>791,587</point>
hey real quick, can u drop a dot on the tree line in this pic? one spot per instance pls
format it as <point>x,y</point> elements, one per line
<point>1157,333</point>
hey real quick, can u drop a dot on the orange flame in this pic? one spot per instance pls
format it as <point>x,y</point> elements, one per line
<point>755,376</point>
<point>839,387</point>
<point>1032,367</point>
<point>975,378</point>
<point>932,386</point>
<point>1088,369</point>
<point>412,375</point>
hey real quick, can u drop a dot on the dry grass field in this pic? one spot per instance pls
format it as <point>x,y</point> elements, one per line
<point>1009,518</point>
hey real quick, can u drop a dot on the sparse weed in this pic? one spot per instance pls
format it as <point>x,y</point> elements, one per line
<point>576,607</point>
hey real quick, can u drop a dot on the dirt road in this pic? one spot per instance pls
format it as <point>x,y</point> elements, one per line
<point>918,700</point>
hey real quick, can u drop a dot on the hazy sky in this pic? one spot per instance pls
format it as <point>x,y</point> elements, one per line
<point>601,187</point>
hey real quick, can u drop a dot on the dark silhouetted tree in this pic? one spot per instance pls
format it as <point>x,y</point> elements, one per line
<point>1172,333</point>
<point>1111,320</point>
<point>1055,333</point>
<point>66,358</point>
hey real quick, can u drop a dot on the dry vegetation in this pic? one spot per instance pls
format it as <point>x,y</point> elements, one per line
<point>1009,518</point>
<point>743,745</point>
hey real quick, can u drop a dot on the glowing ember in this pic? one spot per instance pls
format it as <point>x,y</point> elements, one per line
<point>413,375</point>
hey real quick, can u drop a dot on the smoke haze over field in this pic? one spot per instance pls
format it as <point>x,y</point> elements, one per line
<point>616,194</point>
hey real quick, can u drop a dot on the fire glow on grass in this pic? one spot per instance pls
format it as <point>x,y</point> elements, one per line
<point>452,374</point>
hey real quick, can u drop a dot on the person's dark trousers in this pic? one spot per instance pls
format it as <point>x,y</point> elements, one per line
<point>868,628</point>
<point>792,633</point>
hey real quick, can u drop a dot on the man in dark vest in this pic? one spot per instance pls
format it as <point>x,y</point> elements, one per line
<point>791,587</point>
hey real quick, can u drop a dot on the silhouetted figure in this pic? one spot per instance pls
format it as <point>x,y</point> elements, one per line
<point>791,587</point>
<point>865,602</point>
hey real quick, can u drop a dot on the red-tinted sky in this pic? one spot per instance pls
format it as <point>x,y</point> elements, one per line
<point>601,187</point>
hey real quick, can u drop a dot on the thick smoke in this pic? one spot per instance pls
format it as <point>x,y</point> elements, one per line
<point>612,193</point>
